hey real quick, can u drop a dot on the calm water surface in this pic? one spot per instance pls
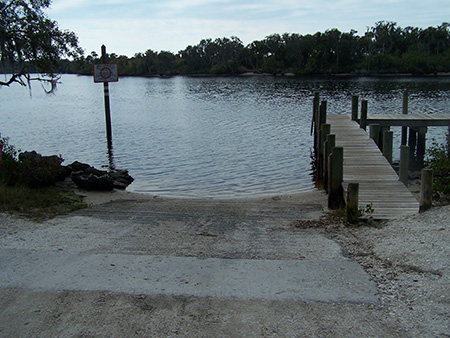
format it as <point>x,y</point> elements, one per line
<point>201,137</point>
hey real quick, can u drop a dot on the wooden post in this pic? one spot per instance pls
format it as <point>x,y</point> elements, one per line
<point>383,129</point>
<point>374,132</point>
<point>363,122</point>
<point>321,119</point>
<point>404,164</point>
<point>330,144</point>
<point>412,143</point>
<point>388,137</point>
<point>316,102</point>
<point>336,175</point>
<point>426,189</point>
<point>107,106</point>
<point>405,111</point>
<point>324,131</point>
<point>323,112</point>
<point>351,205</point>
<point>448,142</point>
<point>355,100</point>
<point>421,139</point>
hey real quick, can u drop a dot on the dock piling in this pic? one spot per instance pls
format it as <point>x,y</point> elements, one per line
<point>421,140</point>
<point>405,112</point>
<point>404,164</point>
<point>388,137</point>
<point>374,132</point>
<point>324,131</point>
<point>363,121</point>
<point>355,99</point>
<point>351,206</point>
<point>426,189</point>
<point>330,143</point>
<point>336,176</point>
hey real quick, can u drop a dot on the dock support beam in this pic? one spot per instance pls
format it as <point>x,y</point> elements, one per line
<point>421,140</point>
<point>330,143</point>
<point>351,206</point>
<point>336,176</point>
<point>355,100</point>
<point>405,111</point>
<point>388,137</point>
<point>374,132</point>
<point>426,189</point>
<point>412,143</point>
<point>324,131</point>
<point>404,165</point>
<point>363,121</point>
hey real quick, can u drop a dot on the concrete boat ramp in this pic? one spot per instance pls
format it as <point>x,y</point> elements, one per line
<point>125,247</point>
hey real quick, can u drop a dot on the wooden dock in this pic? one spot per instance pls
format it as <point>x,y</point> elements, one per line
<point>411,120</point>
<point>379,185</point>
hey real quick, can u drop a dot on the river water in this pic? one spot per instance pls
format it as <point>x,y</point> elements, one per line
<point>202,137</point>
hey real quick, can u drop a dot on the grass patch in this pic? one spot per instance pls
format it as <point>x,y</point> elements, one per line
<point>38,204</point>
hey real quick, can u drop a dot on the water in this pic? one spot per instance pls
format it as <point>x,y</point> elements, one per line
<point>201,137</point>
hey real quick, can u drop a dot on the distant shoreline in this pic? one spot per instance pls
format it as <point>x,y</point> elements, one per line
<point>286,75</point>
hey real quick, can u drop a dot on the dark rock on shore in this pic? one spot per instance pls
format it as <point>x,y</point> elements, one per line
<point>89,178</point>
<point>39,171</point>
<point>42,170</point>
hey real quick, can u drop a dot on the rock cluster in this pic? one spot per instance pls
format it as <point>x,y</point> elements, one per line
<point>46,170</point>
<point>39,171</point>
<point>90,178</point>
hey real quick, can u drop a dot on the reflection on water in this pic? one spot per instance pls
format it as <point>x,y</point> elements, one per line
<point>200,137</point>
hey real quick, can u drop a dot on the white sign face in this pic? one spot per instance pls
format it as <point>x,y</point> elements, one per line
<point>106,72</point>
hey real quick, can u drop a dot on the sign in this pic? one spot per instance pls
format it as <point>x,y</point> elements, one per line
<point>106,72</point>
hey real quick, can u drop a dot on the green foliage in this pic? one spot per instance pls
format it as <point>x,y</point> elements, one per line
<point>384,48</point>
<point>38,203</point>
<point>31,43</point>
<point>24,190</point>
<point>438,156</point>
<point>16,172</point>
<point>360,214</point>
<point>9,171</point>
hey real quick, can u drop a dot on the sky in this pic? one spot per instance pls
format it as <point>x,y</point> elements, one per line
<point>127,27</point>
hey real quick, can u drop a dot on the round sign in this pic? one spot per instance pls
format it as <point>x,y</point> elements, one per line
<point>105,73</point>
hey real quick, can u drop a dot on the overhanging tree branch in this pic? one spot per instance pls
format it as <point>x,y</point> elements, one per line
<point>31,44</point>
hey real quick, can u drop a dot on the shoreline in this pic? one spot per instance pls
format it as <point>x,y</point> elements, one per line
<point>92,198</point>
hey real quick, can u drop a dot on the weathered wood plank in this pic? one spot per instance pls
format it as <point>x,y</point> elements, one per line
<point>410,120</point>
<point>364,163</point>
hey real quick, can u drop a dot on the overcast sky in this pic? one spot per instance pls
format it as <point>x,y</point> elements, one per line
<point>130,26</point>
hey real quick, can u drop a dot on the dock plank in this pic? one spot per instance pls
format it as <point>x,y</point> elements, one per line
<point>364,163</point>
<point>409,120</point>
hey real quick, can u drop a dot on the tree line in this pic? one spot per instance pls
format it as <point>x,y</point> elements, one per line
<point>384,48</point>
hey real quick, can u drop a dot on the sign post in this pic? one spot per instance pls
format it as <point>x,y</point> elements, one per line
<point>1,151</point>
<point>106,72</point>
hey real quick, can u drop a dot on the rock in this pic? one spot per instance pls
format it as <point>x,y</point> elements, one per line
<point>90,178</point>
<point>93,182</point>
<point>121,179</point>
<point>42,170</point>
<point>78,166</point>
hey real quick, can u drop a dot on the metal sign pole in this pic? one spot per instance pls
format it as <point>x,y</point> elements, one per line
<point>107,106</point>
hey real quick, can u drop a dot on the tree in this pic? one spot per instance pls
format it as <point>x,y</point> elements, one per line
<point>31,45</point>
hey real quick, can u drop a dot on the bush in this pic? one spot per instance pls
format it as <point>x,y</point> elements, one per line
<point>439,160</point>
<point>29,168</point>
<point>23,185</point>
<point>9,171</point>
